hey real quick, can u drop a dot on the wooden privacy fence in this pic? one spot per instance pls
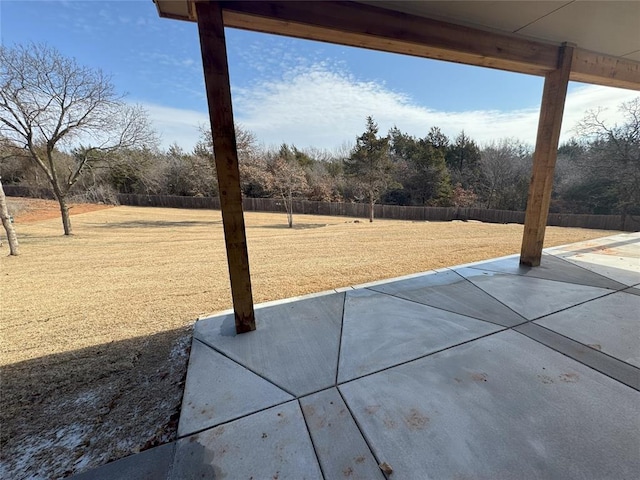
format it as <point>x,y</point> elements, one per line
<point>360,210</point>
<point>29,192</point>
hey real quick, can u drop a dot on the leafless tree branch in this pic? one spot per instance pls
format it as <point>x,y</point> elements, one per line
<point>49,102</point>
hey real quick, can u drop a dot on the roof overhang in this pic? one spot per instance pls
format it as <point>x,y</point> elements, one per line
<point>522,36</point>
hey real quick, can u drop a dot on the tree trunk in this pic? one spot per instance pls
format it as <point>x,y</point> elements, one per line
<point>64,211</point>
<point>623,216</point>
<point>14,248</point>
<point>288,206</point>
<point>371,204</point>
<point>60,195</point>
<point>290,211</point>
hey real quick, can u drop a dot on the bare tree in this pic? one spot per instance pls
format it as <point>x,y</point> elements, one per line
<point>49,104</point>
<point>255,179</point>
<point>14,248</point>
<point>505,168</point>
<point>288,179</point>
<point>322,185</point>
<point>615,156</point>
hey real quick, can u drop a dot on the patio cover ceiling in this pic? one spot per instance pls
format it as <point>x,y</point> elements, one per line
<point>518,36</point>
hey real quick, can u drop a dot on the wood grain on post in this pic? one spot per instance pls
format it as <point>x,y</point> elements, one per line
<point>216,79</point>
<point>544,158</point>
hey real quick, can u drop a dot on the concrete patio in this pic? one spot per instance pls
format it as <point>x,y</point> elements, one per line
<point>484,371</point>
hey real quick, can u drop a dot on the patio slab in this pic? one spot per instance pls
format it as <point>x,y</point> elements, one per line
<point>341,449</point>
<point>531,297</point>
<point>552,268</point>
<point>615,257</point>
<point>380,331</point>
<point>619,336</point>
<point>610,366</point>
<point>450,291</point>
<point>272,444</point>
<point>216,391</point>
<point>500,406</point>
<point>633,290</point>
<point>295,344</point>
<point>152,464</point>
<point>606,266</point>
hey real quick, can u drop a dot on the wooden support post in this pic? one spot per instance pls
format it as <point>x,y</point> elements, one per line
<point>216,79</point>
<point>544,158</point>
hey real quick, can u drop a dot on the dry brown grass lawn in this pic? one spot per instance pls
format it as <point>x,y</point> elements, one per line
<point>94,326</point>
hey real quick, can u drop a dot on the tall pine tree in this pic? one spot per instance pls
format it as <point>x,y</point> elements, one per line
<point>463,162</point>
<point>424,178</point>
<point>369,166</point>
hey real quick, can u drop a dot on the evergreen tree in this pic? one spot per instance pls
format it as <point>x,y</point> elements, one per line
<point>438,139</point>
<point>369,166</point>
<point>463,162</point>
<point>423,172</point>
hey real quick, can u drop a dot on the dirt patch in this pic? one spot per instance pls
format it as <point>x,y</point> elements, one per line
<point>95,327</point>
<point>27,210</point>
<point>569,377</point>
<point>479,377</point>
<point>415,420</point>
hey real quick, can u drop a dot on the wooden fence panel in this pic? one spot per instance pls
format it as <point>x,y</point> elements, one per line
<point>360,210</point>
<point>632,223</point>
<point>28,192</point>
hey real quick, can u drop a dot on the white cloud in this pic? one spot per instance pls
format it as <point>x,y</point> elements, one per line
<point>591,97</point>
<point>320,107</point>
<point>323,107</point>
<point>176,125</point>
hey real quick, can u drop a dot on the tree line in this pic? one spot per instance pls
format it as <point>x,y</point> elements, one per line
<point>63,127</point>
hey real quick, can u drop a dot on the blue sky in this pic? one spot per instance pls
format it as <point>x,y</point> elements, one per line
<point>288,90</point>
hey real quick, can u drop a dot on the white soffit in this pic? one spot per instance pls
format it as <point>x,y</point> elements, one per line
<point>611,27</point>
<point>502,16</point>
<point>177,9</point>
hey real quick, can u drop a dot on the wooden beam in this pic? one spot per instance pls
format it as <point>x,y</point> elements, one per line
<point>359,25</point>
<point>216,79</point>
<point>591,67</point>
<point>544,158</point>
